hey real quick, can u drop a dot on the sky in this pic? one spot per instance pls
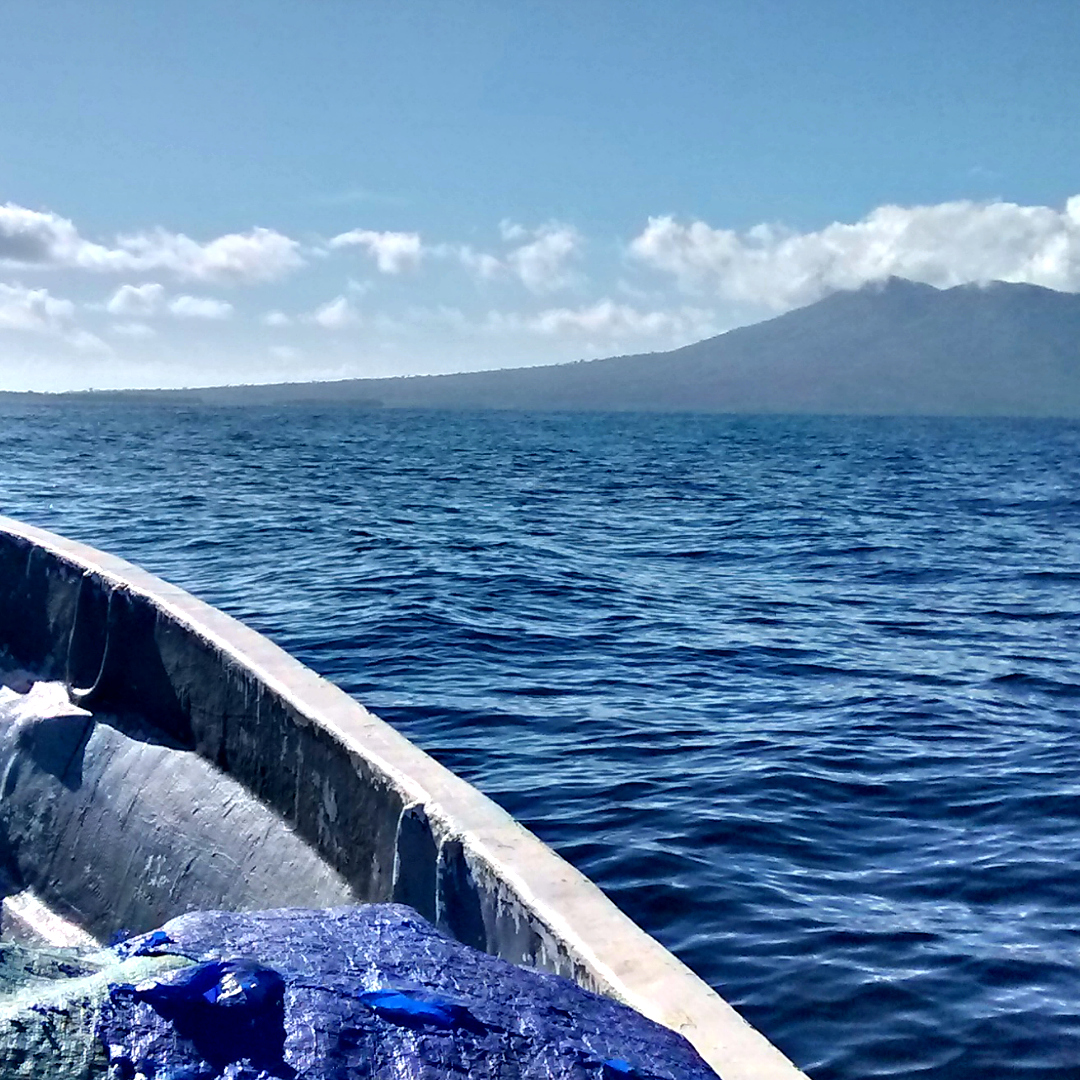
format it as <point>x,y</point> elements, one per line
<point>202,193</point>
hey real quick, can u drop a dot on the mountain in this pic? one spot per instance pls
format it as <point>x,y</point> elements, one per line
<point>894,348</point>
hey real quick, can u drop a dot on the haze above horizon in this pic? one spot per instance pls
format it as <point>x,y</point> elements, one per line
<point>279,191</point>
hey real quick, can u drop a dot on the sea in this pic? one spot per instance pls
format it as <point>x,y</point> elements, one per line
<point>800,694</point>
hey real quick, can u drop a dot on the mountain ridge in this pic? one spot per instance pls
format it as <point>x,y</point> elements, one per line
<point>897,347</point>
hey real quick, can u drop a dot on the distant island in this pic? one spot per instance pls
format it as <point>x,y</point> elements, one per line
<point>897,348</point>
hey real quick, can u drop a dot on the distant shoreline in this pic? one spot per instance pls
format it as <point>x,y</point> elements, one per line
<point>898,349</point>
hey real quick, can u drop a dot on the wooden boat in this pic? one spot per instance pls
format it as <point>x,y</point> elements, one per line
<point>218,771</point>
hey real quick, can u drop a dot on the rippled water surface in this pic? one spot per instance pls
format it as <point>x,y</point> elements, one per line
<point>801,695</point>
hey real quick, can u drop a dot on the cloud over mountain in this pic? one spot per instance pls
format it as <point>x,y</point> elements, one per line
<point>948,244</point>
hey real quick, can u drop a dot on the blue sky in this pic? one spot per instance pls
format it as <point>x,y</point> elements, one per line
<point>255,191</point>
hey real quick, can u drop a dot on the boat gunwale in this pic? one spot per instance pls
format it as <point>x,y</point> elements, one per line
<point>622,960</point>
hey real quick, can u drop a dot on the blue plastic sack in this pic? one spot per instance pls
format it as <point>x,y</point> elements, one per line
<point>373,991</point>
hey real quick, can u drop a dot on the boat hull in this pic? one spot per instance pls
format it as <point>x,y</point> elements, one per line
<point>390,822</point>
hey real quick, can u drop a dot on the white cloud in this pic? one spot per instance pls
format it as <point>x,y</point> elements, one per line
<point>258,255</point>
<point>149,299</point>
<point>86,342</point>
<point>284,352</point>
<point>608,320</point>
<point>133,330</point>
<point>943,245</point>
<point>200,307</point>
<point>335,314</point>
<point>38,311</point>
<point>34,310</point>
<point>510,230</point>
<point>479,262</point>
<point>392,251</point>
<point>277,318</point>
<point>33,238</point>
<point>136,300</point>
<point>541,264</point>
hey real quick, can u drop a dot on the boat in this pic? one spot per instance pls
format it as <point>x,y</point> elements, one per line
<point>191,763</point>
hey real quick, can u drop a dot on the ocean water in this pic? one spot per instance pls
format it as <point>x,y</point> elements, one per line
<point>801,695</point>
